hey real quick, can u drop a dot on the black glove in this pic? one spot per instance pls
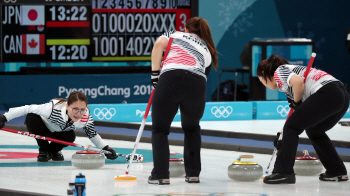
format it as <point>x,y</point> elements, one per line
<point>2,120</point>
<point>154,78</point>
<point>276,142</point>
<point>295,105</point>
<point>113,154</point>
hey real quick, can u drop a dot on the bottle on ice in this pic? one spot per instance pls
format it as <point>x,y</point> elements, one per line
<point>80,185</point>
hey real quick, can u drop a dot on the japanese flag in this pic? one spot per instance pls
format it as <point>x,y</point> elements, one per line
<point>32,15</point>
<point>33,44</point>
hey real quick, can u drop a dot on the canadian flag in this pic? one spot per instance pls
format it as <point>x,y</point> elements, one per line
<point>32,15</point>
<point>33,44</point>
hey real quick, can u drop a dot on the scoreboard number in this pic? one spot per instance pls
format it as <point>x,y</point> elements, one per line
<point>73,14</point>
<point>127,29</point>
<point>69,53</point>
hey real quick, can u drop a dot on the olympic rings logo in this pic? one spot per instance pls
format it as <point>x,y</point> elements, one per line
<point>8,1</point>
<point>104,113</point>
<point>283,111</point>
<point>221,111</point>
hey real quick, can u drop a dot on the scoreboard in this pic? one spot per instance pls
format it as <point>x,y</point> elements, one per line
<point>87,30</point>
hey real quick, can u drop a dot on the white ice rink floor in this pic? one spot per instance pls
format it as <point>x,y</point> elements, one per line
<point>53,180</point>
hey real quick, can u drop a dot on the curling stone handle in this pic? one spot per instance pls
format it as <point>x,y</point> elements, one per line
<point>246,156</point>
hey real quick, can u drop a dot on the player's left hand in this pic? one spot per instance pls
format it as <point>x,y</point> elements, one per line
<point>113,154</point>
<point>276,142</point>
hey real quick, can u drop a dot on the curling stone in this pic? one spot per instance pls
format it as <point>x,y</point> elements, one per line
<point>176,167</point>
<point>244,171</point>
<point>307,165</point>
<point>88,159</point>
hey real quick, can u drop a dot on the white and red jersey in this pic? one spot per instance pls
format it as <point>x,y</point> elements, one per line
<point>56,119</point>
<point>314,81</point>
<point>187,52</point>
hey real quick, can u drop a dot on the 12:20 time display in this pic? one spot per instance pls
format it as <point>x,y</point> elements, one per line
<point>73,53</point>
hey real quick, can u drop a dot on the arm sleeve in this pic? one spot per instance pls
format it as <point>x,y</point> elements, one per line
<point>94,137</point>
<point>282,76</point>
<point>44,110</point>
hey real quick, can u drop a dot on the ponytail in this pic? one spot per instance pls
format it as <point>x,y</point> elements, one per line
<point>200,27</point>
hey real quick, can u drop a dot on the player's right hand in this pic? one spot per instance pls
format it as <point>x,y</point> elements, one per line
<point>154,78</point>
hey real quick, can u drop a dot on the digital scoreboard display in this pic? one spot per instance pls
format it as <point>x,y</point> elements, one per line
<point>86,30</point>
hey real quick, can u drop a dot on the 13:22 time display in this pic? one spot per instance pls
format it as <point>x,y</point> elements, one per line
<point>74,13</point>
<point>74,53</point>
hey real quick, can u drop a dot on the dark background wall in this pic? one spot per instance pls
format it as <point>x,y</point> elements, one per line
<point>236,22</point>
<point>233,24</point>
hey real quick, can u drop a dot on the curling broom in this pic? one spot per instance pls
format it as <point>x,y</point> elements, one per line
<point>127,176</point>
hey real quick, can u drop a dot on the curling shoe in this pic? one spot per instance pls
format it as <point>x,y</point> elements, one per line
<point>57,156</point>
<point>44,156</point>
<point>276,178</point>
<point>192,179</point>
<point>326,177</point>
<point>153,180</point>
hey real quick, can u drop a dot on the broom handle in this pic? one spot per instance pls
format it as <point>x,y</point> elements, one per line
<point>55,140</point>
<point>140,131</point>
<point>147,110</point>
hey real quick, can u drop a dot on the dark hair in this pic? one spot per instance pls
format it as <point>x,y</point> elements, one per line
<point>266,68</point>
<point>73,97</point>
<point>200,27</point>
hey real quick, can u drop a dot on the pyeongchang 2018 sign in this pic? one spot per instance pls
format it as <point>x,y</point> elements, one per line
<point>135,112</point>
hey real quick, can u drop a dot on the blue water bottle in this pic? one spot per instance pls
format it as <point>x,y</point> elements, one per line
<point>80,185</point>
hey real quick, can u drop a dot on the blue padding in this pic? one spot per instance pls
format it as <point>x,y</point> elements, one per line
<point>228,111</point>
<point>274,110</point>
<point>271,109</point>
<point>214,111</point>
<point>119,112</point>
<point>135,112</point>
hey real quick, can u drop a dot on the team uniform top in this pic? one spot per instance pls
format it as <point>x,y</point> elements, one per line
<point>187,52</point>
<point>56,119</point>
<point>314,81</point>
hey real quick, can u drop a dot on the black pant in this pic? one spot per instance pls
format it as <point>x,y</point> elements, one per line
<point>36,126</point>
<point>187,90</point>
<point>319,113</point>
